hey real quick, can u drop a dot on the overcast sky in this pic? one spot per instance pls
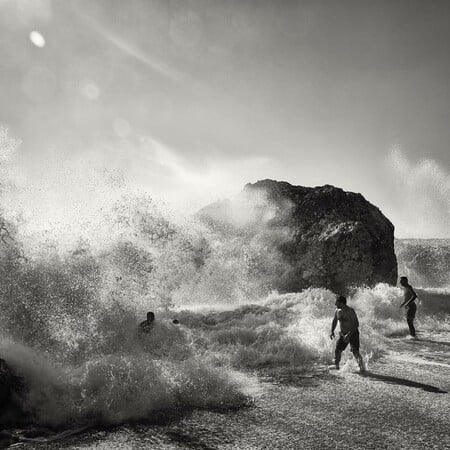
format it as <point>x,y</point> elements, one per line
<point>190,100</point>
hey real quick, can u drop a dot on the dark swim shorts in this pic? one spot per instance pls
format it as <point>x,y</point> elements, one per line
<point>354,342</point>
<point>411,310</point>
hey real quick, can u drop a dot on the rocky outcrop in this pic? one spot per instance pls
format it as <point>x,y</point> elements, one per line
<point>321,236</point>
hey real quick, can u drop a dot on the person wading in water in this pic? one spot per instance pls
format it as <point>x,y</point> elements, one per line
<point>349,333</point>
<point>146,326</point>
<point>409,304</point>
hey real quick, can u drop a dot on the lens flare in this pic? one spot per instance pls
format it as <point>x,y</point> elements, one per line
<point>37,39</point>
<point>90,90</point>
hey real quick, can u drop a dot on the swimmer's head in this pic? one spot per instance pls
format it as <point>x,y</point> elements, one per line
<point>403,281</point>
<point>150,316</point>
<point>340,301</point>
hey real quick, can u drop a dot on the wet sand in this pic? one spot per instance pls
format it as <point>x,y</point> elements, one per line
<point>401,403</point>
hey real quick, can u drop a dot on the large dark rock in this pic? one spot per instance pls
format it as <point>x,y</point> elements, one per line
<point>321,236</point>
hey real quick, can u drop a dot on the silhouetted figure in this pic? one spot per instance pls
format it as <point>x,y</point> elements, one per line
<point>147,325</point>
<point>175,321</point>
<point>409,304</point>
<point>5,382</point>
<point>9,384</point>
<point>348,334</point>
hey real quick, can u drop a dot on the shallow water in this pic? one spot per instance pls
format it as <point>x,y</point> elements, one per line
<point>293,406</point>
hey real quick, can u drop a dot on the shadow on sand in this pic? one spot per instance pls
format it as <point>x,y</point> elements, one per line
<point>402,382</point>
<point>429,341</point>
<point>296,376</point>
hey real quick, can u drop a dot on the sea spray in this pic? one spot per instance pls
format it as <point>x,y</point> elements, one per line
<point>426,262</point>
<point>293,330</point>
<point>70,332</point>
<point>70,323</point>
<point>116,388</point>
<point>73,340</point>
<point>70,308</point>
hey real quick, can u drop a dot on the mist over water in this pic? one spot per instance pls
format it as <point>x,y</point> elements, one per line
<point>73,290</point>
<point>427,262</point>
<point>420,191</point>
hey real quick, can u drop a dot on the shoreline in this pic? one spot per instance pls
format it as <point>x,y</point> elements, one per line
<point>400,403</point>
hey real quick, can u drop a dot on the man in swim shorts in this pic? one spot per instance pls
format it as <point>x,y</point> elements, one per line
<point>349,333</point>
<point>409,304</point>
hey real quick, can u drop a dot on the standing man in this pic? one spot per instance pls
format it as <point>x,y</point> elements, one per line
<point>409,304</point>
<point>349,333</point>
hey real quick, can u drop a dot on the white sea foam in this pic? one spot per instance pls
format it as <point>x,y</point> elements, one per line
<point>69,311</point>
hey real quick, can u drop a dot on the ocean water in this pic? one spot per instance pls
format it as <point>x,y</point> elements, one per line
<point>73,292</point>
<point>69,322</point>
